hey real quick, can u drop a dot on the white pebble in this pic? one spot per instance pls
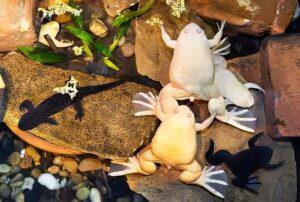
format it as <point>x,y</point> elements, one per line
<point>63,183</point>
<point>28,183</point>
<point>95,195</point>
<point>22,153</point>
<point>49,181</point>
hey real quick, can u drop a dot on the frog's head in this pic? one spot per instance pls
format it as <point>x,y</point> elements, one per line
<point>185,116</point>
<point>193,33</point>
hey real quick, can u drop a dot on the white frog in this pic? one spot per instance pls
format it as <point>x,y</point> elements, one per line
<point>174,144</point>
<point>198,71</point>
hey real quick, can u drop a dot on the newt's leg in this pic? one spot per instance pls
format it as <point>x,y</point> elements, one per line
<point>26,105</point>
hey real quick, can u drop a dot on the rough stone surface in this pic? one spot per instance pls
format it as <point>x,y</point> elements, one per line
<point>114,7</point>
<point>108,129</point>
<point>254,17</point>
<point>153,57</point>
<point>16,24</point>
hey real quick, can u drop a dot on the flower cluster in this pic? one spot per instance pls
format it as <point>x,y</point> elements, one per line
<point>77,50</point>
<point>154,21</point>
<point>177,7</point>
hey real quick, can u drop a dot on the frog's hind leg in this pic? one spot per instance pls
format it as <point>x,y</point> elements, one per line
<point>218,106</point>
<point>26,105</point>
<point>251,184</point>
<point>215,181</point>
<point>144,164</point>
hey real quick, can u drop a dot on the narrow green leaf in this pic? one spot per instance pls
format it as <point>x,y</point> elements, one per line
<point>78,20</point>
<point>42,55</point>
<point>120,19</point>
<point>81,34</point>
<point>101,48</point>
<point>122,32</point>
<point>87,50</point>
<point>110,64</point>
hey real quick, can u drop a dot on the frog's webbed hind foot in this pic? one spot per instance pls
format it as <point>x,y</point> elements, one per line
<point>26,105</point>
<point>144,104</point>
<point>214,180</point>
<point>119,168</point>
<point>273,166</point>
<point>233,117</point>
<point>255,86</point>
<point>252,184</point>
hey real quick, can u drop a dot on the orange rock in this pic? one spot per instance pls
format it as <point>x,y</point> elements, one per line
<point>25,162</point>
<point>32,152</point>
<point>70,165</point>
<point>63,173</point>
<point>58,160</point>
<point>53,170</point>
<point>90,164</point>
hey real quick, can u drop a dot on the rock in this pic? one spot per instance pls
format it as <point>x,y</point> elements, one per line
<point>20,197</point>
<point>53,170</point>
<point>49,181</point>
<point>4,168</point>
<point>153,57</point>
<point>90,164</point>
<point>14,158</point>
<point>15,169</point>
<point>127,49</point>
<point>95,195</point>
<point>25,162</point>
<point>252,17</point>
<point>63,183</point>
<point>70,165</point>
<point>4,191</point>
<point>122,41</point>
<point>28,183</point>
<point>15,192</point>
<point>58,160</point>
<point>16,184</point>
<point>280,75</point>
<point>18,177</point>
<point>82,193</point>
<point>4,178</point>
<point>112,137</point>
<point>35,173</point>
<point>114,7</point>
<point>98,28</point>
<point>77,178</point>
<point>16,24</point>
<point>63,173</point>
<point>33,153</point>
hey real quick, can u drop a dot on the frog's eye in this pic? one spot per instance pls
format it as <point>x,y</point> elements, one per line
<point>199,30</point>
<point>189,115</point>
<point>185,30</point>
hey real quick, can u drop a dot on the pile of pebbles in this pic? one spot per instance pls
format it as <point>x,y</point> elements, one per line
<point>28,174</point>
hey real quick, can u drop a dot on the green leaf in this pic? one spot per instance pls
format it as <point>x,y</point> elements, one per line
<point>87,50</point>
<point>42,55</point>
<point>120,19</point>
<point>101,48</point>
<point>110,64</point>
<point>122,32</point>
<point>81,34</point>
<point>78,20</point>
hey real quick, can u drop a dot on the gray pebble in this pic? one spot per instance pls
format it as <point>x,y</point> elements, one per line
<point>15,192</point>
<point>4,191</point>
<point>18,177</point>
<point>4,179</point>
<point>16,184</point>
<point>15,169</point>
<point>4,168</point>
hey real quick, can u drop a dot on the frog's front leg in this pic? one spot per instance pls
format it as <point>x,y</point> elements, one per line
<point>166,38</point>
<point>215,181</point>
<point>217,38</point>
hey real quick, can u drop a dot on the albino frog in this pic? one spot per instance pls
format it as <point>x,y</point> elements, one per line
<point>198,71</point>
<point>174,144</point>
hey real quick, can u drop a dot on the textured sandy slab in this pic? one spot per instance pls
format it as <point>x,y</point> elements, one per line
<point>108,128</point>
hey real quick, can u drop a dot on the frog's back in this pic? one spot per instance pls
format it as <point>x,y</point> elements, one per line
<point>174,142</point>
